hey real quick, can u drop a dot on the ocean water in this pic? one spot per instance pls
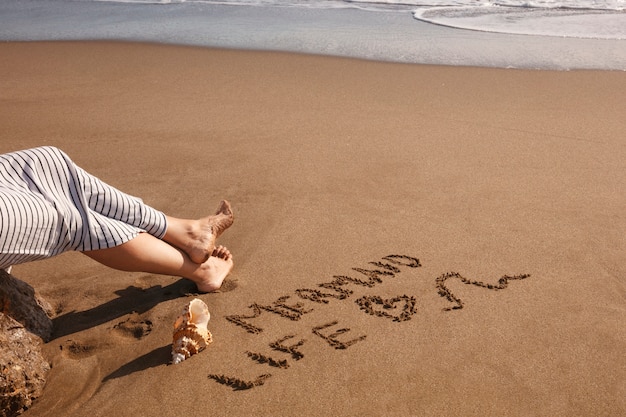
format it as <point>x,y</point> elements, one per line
<point>594,19</point>
<point>541,34</point>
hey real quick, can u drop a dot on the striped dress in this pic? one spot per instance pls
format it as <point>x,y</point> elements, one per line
<point>48,206</point>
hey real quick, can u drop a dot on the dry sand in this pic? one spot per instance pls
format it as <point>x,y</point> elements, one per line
<point>332,164</point>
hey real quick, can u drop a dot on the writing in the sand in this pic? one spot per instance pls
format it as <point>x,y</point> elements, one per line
<point>341,288</point>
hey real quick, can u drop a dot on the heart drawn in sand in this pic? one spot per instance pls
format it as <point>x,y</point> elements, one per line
<point>377,306</point>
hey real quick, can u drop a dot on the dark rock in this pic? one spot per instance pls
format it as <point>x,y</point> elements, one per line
<point>24,324</point>
<point>20,301</point>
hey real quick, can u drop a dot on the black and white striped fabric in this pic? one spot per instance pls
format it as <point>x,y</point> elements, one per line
<point>49,205</point>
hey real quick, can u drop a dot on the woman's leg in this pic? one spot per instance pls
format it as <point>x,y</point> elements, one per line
<point>97,202</point>
<point>145,253</point>
<point>195,237</point>
<point>80,212</point>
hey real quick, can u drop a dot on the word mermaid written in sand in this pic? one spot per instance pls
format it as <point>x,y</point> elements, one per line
<point>341,287</point>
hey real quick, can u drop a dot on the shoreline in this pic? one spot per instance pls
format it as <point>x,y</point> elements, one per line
<point>337,168</point>
<point>131,42</point>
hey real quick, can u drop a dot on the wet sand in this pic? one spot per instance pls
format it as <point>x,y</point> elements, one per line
<point>409,240</point>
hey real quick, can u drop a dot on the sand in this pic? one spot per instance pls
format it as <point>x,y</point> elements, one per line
<point>448,181</point>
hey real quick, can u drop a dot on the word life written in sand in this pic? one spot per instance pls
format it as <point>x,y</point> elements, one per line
<point>395,309</point>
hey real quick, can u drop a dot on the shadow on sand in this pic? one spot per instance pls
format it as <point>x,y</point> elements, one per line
<point>131,299</point>
<point>157,357</point>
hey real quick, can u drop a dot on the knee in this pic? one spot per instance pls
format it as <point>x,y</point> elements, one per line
<point>52,153</point>
<point>53,150</point>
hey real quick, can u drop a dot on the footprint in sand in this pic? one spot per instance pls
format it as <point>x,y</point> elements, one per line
<point>77,350</point>
<point>133,328</point>
<point>228,285</point>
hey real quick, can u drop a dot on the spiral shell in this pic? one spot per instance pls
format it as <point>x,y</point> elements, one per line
<point>190,331</point>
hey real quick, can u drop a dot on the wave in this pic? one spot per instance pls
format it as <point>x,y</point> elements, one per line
<point>605,5</point>
<point>592,19</point>
<point>563,22</point>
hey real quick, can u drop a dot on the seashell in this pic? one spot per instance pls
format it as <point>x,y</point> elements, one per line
<point>190,331</point>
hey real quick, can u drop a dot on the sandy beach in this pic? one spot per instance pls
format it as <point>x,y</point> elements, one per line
<point>410,240</point>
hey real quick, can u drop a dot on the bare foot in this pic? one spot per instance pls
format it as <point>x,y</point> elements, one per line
<point>215,269</point>
<point>202,235</point>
